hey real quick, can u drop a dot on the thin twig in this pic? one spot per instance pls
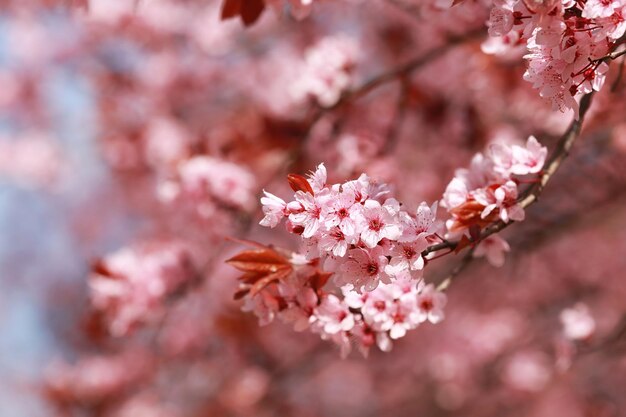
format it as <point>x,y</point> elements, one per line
<point>398,72</point>
<point>467,259</point>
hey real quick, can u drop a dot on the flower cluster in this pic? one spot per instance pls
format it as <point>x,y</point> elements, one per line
<point>567,41</point>
<point>327,70</point>
<point>291,288</point>
<point>129,286</point>
<point>94,378</point>
<point>488,192</point>
<point>362,236</point>
<point>376,251</point>
<point>209,181</point>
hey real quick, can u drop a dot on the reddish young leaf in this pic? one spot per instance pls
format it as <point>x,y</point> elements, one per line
<point>469,213</point>
<point>99,267</point>
<point>319,279</point>
<point>248,10</point>
<point>299,183</point>
<point>251,277</point>
<point>267,280</point>
<point>251,10</point>
<point>230,9</point>
<point>241,292</point>
<point>258,260</point>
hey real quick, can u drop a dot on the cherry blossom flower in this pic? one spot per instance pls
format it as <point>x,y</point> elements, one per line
<point>430,304</point>
<point>377,222</point>
<point>334,316</point>
<point>501,21</point>
<point>600,8</point>
<point>377,307</point>
<point>422,225</point>
<point>343,212</point>
<point>224,181</point>
<point>364,269</point>
<point>130,285</point>
<point>327,70</point>
<point>318,178</point>
<point>493,248</point>
<point>274,209</point>
<point>406,257</point>
<point>336,242</point>
<point>307,210</point>
<point>503,198</point>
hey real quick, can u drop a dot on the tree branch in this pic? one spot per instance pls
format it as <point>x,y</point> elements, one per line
<point>401,71</point>
<point>532,194</point>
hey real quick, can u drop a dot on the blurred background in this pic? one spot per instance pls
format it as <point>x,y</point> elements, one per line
<point>140,134</point>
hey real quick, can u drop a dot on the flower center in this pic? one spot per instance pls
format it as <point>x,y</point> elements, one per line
<point>379,305</point>
<point>376,224</point>
<point>371,268</point>
<point>426,304</point>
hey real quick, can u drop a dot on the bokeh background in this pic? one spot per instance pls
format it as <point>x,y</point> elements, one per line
<point>153,125</point>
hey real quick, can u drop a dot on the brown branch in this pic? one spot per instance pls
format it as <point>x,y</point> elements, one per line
<point>613,55</point>
<point>399,72</point>
<point>467,259</point>
<point>533,193</point>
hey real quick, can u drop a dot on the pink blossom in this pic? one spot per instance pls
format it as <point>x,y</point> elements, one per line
<point>529,159</point>
<point>377,222</point>
<point>327,70</point>
<point>130,285</point>
<point>406,257</point>
<point>225,181</point>
<point>422,225</point>
<point>377,308</point>
<point>365,268</point>
<point>503,198</point>
<point>430,304</point>
<point>301,303</point>
<point>334,316</point>
<point>600,8</point>
<point>318,178</point>
<point>307,210</point>
<point>342,211</point>
<point>264,305</point>
<point>336,242</point>
<point>500,21</point>
<point>274,209</point>
<point>493,248</point>
<point>518,160</point>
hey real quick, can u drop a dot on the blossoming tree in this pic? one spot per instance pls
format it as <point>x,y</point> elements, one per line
<point>329,207</point>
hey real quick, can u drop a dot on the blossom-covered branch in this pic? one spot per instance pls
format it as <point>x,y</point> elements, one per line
<point>531,195</point>
<point>374,250</point>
